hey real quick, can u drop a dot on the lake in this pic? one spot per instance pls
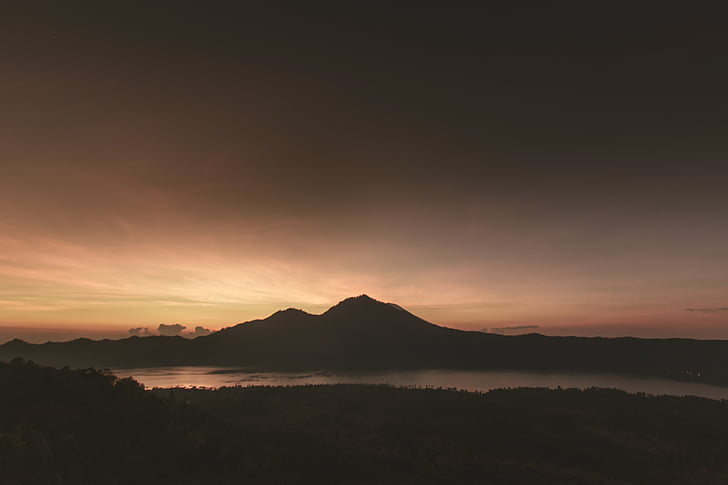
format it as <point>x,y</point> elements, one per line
<point>471,380</point>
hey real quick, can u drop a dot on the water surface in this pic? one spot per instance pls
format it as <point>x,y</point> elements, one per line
<point>471,380</point>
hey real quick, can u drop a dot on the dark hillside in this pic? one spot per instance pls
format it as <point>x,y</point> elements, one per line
<point>82,427</point>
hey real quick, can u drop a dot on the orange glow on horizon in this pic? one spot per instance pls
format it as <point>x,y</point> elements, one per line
<point>225,277</point>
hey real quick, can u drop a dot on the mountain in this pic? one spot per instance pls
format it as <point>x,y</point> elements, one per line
<point>357,332</point>
<point>363,333</point>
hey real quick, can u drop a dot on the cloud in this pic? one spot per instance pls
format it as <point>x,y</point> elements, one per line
<point>707,310</point>
<point>200,331</point>
<point>516,328</point>
<point>170,330</point>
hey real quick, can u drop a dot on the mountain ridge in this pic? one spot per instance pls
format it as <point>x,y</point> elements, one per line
<point>363,333</point>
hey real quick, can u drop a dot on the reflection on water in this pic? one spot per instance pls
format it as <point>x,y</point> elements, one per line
<point>472,380</point>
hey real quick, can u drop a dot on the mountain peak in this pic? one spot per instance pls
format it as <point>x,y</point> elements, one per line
<point>291,311</point>
<point>363,298</point>
<point>16,342</point>
<point>289,316</point>
<point>361,301</point>
<point>364,305</point>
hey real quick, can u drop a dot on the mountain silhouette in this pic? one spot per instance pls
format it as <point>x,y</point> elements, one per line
<point>363,333</point>
<point>359,331</point>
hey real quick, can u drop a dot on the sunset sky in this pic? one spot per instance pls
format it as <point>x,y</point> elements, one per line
<point>559,168</point>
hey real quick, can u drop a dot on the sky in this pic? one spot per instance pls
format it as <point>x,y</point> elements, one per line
<point>555,167</point>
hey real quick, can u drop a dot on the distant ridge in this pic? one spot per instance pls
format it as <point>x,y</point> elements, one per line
<point>363,333</point>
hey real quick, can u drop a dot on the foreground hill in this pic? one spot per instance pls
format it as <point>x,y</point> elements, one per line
<point>362,333</point>
<point>74,427</point>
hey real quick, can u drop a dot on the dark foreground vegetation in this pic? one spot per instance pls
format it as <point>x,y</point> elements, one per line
<point>87,427</point>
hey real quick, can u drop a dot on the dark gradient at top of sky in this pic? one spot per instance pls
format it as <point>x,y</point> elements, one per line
<point>531,163</point>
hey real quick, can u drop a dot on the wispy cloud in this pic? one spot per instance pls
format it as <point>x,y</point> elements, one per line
<point>170,330</point>
<point>516,328</point>
<point>707,310</point>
